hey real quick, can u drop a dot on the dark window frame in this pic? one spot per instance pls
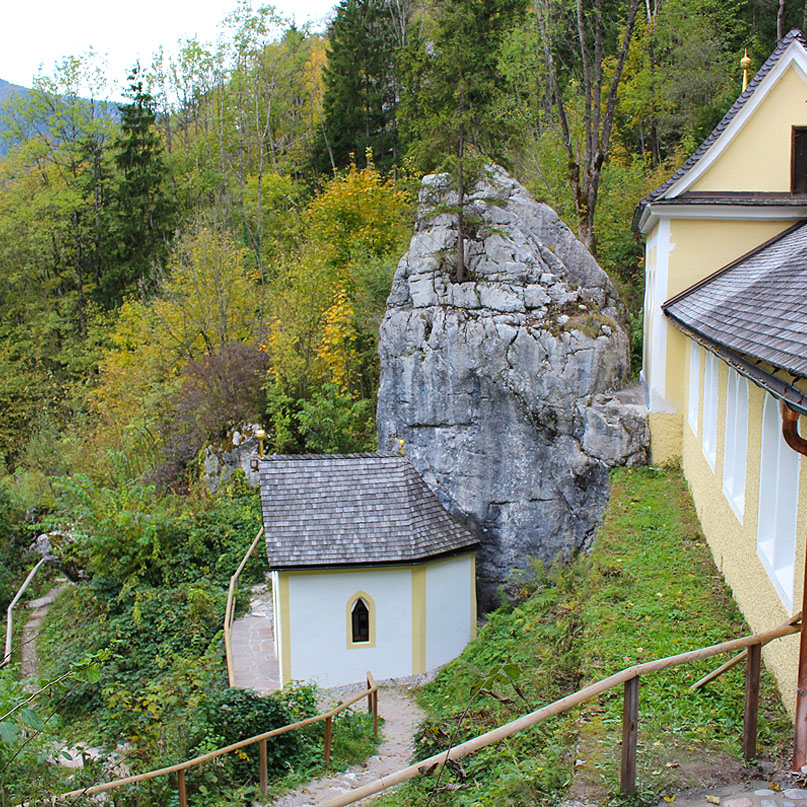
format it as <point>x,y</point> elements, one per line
<point>798,166</point>
<point>360,622</point>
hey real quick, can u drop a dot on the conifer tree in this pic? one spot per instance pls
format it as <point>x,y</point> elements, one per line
<point>360,96</point>
<point>449,113</point>
<point>142,217</point>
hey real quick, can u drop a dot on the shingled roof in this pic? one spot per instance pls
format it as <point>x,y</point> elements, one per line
<point>770,63</point>
<point>756,306</point>
<point>353,509</point>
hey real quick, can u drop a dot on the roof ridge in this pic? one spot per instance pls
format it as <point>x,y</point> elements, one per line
<point>794,35</point>
<point>325,457</point>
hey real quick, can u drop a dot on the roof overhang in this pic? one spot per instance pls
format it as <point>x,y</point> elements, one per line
<point>380,564</point>
<point>734,211</point>
<point>778,387</point>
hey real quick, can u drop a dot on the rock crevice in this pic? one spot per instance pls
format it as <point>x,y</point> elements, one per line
<point>508,388</point>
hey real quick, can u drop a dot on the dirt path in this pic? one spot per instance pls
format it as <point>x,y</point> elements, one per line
<point>29,663</point>
<point>402,717</point>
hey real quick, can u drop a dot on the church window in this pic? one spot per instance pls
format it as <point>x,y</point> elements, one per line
<point>709,435</point>
<point>361,620</point>
<point>778,503</point>
<point>694,385</point>
<point>734,459</point>
<point>798,165</point>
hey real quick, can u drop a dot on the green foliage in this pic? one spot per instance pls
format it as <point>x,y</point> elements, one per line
<point>141,219</point>
<point>334,423</point>
<point>361,81</point>
<point>230,715</point>
<point>127,534</point>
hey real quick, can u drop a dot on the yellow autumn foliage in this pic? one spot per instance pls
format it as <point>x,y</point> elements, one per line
<point>205,299</point>
<point>354,228</point>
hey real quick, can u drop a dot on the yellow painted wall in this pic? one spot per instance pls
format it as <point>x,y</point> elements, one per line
<point>733,543</point>
<point>758,159</point>
<point>700,248</point>
<point>665,436</point>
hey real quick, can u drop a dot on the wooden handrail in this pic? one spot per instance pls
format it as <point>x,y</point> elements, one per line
<point>229,610</point>
<point>181,767</point>
<point>733,662</point>
<point>557,707</point>
<point>9,614</point>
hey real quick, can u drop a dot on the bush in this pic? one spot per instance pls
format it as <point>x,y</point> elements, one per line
<point>231,715</point>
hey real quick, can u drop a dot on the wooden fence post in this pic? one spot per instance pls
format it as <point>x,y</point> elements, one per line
<point>369,698</point>
<point>183,798</point>
<point>375,713</point>
<point>630,725</point>
<point>328,729</point>
<point>264,773</point>
<point>752,670</point>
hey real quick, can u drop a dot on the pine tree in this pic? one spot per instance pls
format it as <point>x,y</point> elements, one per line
<point>449,114</point>
<point>360,88</point>
<point>142,217</point>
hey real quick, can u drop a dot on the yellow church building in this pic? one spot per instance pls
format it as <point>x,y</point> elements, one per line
<point>725,340</point>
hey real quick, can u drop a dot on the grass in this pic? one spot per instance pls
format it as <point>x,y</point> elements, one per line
<point>647,589</point>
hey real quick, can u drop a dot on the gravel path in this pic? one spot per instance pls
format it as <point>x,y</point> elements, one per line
<point>753,794</point>
<point>29,662</point>
<point>401,718</point>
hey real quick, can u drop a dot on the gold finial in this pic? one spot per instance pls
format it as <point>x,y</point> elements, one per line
<point>261,435</point>
<point>745,63</point>
<point>402,443</point>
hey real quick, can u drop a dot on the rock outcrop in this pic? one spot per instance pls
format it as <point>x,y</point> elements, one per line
<point>218,465</point>
<point>506,388</point>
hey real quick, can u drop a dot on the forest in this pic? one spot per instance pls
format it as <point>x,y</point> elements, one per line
<point>217,250</point>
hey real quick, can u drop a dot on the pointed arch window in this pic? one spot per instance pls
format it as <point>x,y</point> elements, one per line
<point>361,620</point>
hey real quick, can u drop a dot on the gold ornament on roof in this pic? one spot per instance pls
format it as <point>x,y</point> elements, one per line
<point>261,435</point>
<point>745,63</point>
<point>402,443</point>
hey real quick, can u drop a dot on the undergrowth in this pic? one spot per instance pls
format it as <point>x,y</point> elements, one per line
<point>647,589</point>
<point>163,695</point>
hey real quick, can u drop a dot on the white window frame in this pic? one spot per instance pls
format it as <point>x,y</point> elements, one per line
<point>694,386</point>
<point>710,399</point>
<point>778,503</point>
<point>736,442</point>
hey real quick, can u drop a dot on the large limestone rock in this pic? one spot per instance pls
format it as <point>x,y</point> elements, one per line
<point>506,387</point>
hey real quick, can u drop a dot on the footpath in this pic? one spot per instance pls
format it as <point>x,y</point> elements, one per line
<point>401,718</point>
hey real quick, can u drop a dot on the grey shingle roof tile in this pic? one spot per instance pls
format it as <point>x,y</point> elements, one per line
<point>352,509</point>
<point>756,305</point>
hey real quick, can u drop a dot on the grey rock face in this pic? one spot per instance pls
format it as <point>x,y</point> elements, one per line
<point>505,387</point>
<point>218,465</point>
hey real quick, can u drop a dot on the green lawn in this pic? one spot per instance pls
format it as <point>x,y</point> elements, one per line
<point>647,589</point>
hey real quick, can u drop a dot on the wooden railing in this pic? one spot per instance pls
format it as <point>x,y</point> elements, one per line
<point>229,610</point>
<point>371,693</point>
<point>10,614</point>
<point>629,678</point>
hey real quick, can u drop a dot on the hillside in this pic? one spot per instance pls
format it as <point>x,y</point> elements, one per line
<point>648,589</point>
<point>8,91</point>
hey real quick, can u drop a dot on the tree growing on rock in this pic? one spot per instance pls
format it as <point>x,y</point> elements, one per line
<point>451,107</point>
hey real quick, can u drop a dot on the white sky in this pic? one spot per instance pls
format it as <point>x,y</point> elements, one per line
<point>39,33</point>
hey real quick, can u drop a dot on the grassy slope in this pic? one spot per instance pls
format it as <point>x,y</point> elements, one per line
<point>648,589</point>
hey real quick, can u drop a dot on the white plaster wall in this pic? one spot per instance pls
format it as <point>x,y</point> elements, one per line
<point>278,628</point>
<point>318,625</point>
<point>448,609</point>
